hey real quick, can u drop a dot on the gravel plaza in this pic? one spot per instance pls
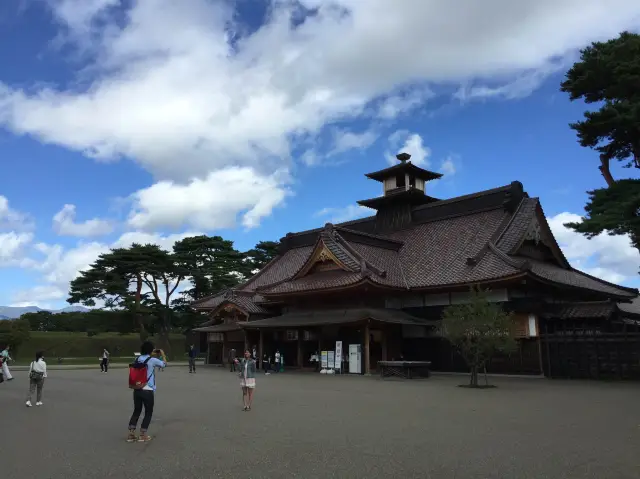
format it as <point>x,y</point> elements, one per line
<point>311,426</point>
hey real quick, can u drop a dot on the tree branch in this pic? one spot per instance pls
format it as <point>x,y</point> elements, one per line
<point>605,169</point>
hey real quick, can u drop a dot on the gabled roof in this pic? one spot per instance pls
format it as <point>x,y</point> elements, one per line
<point>243,300</point>
<point>477,238</point>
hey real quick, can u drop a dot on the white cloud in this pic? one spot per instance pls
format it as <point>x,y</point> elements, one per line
<point>347,140</point>
<point>413,144</point>
<point>611,258</point>
<point>448,167</point>
<point>64,224</point>
<point>519,87</point>
<point>11,219</point>
<point>347,213</point>
<point>208,204</point>
<point>58,266</point>
<point>397,104</point>
<point>215,95</point>
<point>12,246</point>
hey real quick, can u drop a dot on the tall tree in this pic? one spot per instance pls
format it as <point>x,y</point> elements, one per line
<point>115,278</point>
<point>260,255</point>
<point>211,262</point>
<point>608,73</point>
<point>478,329</point>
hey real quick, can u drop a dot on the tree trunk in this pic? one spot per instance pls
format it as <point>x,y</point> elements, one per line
<point>606,170</point>
<point>138,317</point>
<point>163,333</point>
<point>474,376</point>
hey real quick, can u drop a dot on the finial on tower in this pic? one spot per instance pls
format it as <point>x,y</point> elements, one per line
<point>403,157</point>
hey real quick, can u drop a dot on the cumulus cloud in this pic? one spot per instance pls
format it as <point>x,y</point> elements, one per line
<point>342,214</point>
<point>221,93</point>
<point>58,265</point>
<point>12,247</point>
<point>212,203</point>
<point>11,219</point>
<point>64,224</point>
<point>413,144</point>
<point>611,258</point>
<point>345,140</point>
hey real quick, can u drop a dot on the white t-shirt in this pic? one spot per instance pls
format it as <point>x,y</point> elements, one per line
<point>105,354</point>
<point>277,357</point>
<point>39,367</point>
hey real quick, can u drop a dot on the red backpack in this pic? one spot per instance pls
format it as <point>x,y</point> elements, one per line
<point>138,374</point>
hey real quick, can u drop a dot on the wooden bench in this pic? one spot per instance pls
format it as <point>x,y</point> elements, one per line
<point>404,369</point>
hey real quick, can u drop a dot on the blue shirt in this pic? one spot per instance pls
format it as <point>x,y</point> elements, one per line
<point>152,364</point>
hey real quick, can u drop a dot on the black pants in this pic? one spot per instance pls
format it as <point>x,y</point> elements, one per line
<point>142,398</point>
<point>232,366</point>
<point>192,365</point>
<point>104,365</point>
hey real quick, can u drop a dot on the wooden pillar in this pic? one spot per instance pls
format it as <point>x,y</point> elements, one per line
<point>384,330</point>
<point>261,350</point>
<point>224,348</point>
<point>299,358</point>
<point>367,365</point>
<point>246,342</point>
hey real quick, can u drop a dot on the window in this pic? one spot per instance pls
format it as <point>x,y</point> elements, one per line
<point>292,334</point>
<point>400,183</point>
<point>215,337</point>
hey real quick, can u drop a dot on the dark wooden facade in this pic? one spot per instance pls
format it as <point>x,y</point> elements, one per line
<point>383,282</point>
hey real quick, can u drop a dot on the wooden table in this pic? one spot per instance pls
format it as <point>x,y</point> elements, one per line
<point>404,369</point>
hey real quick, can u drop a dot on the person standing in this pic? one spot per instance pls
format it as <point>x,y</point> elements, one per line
<point>145,397</point>
<point>247,379</point>
<point>192,359</point>
<point>277,361</point>
<point>5,363</point>
<point>104,364</point>
<point>37,375</point>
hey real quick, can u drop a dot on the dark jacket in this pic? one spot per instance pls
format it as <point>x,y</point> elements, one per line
<point>193,353</point>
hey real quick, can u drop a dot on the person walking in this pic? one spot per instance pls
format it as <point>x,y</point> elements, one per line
<point>247,379</point>
<point>193,354</point>
<point>5,363</point>
<point>145,397</point>
<point>37,375</point>
<point>104,364</point>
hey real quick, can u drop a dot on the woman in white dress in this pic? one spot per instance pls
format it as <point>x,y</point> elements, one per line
<point>247,379</point>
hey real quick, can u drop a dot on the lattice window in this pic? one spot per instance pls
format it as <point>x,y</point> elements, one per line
<point>292,334</point>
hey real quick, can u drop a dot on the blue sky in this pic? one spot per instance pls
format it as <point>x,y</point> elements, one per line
<point>130,121</point>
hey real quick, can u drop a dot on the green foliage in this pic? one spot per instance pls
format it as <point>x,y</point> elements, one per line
<point>609,73</point>
<point>259,256</point>
<point>478,329</point>
<point>615,209</point>
<point>14,333</point>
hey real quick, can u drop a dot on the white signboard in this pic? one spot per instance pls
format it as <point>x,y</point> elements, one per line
<point>338,355</point>
<point>332,356</point>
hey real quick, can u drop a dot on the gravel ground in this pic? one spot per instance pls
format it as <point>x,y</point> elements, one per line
<point>312,426</point>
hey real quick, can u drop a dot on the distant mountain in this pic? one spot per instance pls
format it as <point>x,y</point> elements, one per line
<point>14,312</point>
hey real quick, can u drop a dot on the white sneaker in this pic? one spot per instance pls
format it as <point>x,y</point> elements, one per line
<point>39,403</point>
<point>28,403</point>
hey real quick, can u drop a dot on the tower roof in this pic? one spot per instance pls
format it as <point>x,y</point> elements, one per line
<point>405,166</point>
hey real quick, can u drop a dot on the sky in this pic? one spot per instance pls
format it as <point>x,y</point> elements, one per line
<point>148,121</point>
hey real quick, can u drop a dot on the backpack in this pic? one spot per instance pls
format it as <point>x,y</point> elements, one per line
<point>138,374</point>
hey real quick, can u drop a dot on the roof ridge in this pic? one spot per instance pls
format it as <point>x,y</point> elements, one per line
<point>511,220</point>
<point>369,235</point>
<point>477,194</point>
<point>624,288</point>
<point>363,262</point>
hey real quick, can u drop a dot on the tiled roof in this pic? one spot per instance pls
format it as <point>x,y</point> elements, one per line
<point>632,308</point>
<point>218,328</point>
<point>460,241</point>
<point>591,310</point>
<point>244,301</point>
<point>337,316</point>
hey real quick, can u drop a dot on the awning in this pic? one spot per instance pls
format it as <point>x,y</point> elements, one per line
<point>218,328</point>
<point>341,316</point>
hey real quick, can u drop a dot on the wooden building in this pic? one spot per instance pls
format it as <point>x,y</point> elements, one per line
<point>383,281</point>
